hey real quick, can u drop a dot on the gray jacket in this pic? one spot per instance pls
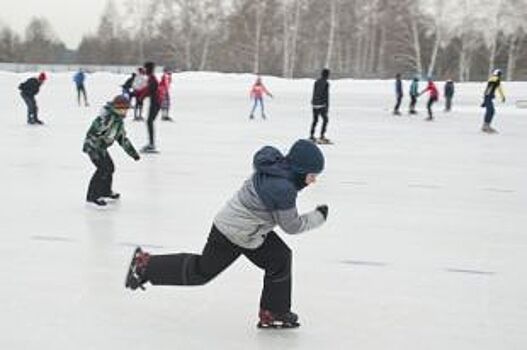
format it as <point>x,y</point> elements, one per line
<point>268,199</point>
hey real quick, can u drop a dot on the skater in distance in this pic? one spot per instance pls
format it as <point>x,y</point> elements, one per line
<point>28,90</point>
<point>105,129</point>
<point>257,95</point>
<point>320,105</point>
<point>493,85</point>
<point>245,226</point>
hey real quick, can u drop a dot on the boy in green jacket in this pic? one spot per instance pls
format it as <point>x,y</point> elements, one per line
<point>105,129</point>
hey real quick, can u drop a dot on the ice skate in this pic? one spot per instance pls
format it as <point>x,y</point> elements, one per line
<point>396,113</point>
<point>113,195</point>
<point>429,119</point>
<point>269,319</point>
<point>98,202</point>
<point>167,119</point>
<point>135,278</point>
<point>149,149</point>
<point>324,141</point>
<point>138,119</point>
<point>251,116</point>
<point>488,129</point>
<point>38,121</point>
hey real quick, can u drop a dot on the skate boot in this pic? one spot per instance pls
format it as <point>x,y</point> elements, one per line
<point>324,141</point>
<point>251,116</point>
<point>396,113</point>
<point>312,139</point>
<point>488,129</point>
<point>429,119</point>
<point>135,278</point>
<point>113,195</point>
<point>98,202</point>
<point>167,119</point>
<point>269,319</point>
<point>149,149</point>
<point>38,121</point>
<point>264,116</point>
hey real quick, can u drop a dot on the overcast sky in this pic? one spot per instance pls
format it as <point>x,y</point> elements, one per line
<point>69,18</point>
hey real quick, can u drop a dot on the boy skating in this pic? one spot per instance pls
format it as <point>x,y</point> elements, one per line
<point>414,93</point>
<point>398,94</point>
<point>320,104</point>
<point>449,94</point>
<point>28,90</point>
<point>79,78</point>
<point>433,96</point>
<point>244,226</point>
<point>105,129</point>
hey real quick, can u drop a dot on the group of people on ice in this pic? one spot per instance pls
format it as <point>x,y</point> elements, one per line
<point>493,86</point>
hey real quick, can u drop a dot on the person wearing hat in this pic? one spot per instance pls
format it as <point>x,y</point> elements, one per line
<point>28,90</point>
<point>493,85</point>
<point>105,129</point>
<point>449,90</point>
<point>432,97</point>
<point>414,93</point>
<point>245,226</point>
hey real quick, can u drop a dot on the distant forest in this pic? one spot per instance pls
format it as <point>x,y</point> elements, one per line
<point>458,39</point>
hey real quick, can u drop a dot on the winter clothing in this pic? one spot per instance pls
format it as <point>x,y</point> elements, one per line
<point>449,94</point>
<point>244,226</point>
<point>433,97</point>
<point>398,95</point>
<point>105,129</point>
<point>28,90</point>
<point>257,94</point>
<point>320,103</point>
<point>414,92</point>
<point>493,85</point>
<point>164,94</point>
<point>79,79</point>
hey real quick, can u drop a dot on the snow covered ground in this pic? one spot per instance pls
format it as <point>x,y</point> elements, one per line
<point>424,247</point>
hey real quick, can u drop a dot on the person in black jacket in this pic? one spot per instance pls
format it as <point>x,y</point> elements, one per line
<point>449,94</point>
<point>150,90</point>
<point>28,90</point>
<point>320,104</point>
<point>398,94</point>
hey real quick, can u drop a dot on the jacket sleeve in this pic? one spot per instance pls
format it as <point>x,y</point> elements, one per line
<point>126,144</point>
<point>291,222</point>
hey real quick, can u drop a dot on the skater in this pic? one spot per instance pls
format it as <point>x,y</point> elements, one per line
<point>79,79</point>
<point>398,94</point>
<point>320,104</point>
<point>139,83</point>
<point>449,94</point>
<point>493,84</point>
<point>127,86</point>
<point>151,91</point>
<point>256,94</point>
<point>414,93</point>
<point>244,226</point>
<point>105,129</point>
<point>28,90</point>
<point>164,94</point>
<point>433,97</point>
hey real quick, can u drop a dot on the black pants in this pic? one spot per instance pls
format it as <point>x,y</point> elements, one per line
<point>398,103</point>
<point>448,103</point>
<point>489,109</point>
<point>101,181</point>
<point>81,90</point>
<point>429,105</point>
<point>32,109</point>
<point>413,101</point>
<point>273,256</point>
<point>323,112</point>
<point>152,115</point>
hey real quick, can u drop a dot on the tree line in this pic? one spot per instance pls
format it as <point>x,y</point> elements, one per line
<point>457,39</point>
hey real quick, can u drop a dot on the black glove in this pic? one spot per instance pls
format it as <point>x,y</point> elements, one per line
<point>323,209</point>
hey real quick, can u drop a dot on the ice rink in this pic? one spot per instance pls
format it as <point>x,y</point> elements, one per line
<point>424,248</point>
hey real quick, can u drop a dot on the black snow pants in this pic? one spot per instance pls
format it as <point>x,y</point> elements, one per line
<point>101,181</point>
<point>152,115</point>
<point>323,112</point>
<point>273,256</point>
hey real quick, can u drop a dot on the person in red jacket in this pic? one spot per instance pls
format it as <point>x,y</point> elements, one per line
<point>433,97</point>
<point>257,92</point>
<point>164,94</point>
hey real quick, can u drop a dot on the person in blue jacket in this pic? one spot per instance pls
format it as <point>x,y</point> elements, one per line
<point>79,79</point>
<point>245,226</point>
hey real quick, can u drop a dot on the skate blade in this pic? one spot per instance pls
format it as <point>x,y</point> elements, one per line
<point>127,283</point>
<point>277,325</point>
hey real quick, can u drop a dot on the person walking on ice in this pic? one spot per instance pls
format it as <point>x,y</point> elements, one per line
<point>433,97</point>
<point>28,90</point>
<point>105,129</point>
<point>493,85</point>
<point>245,226</point>
<point>320,104</point>
<point>257,95</point>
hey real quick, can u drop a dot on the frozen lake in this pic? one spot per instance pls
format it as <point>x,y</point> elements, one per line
<point>424,248</point>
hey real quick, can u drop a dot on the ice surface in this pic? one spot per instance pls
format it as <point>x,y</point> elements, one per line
<point>424,247</point>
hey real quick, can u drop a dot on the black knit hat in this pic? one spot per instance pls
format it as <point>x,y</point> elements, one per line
<point>305,157</point>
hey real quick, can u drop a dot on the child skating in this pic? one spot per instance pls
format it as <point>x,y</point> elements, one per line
<point>414,93</point>
<point>433,96</point>
<point>244,226</point>
<point>105,129</point>
<point>164,94</point>
<point>257,95</point>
